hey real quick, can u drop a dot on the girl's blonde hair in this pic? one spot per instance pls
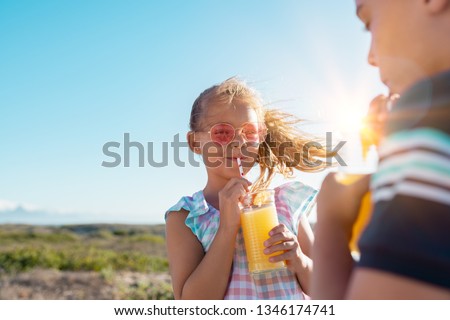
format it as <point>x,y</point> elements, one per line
<point>285,148</point>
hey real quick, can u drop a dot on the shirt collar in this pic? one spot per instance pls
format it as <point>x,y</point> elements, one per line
<point>199,205</point>
<point>426,95</point>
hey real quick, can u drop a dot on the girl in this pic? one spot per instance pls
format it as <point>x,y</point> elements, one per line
<point>205,246</point>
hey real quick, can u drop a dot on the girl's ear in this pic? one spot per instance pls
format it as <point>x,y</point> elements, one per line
<point>436,6</point>
<point>193,145</point>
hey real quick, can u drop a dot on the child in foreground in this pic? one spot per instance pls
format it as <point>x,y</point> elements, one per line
<point>207,258</point>
<point>405,248</point>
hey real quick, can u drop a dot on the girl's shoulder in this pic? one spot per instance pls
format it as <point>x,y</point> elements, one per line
<point>196,211</point>
<point>195,205</point>
<point>297,196</point>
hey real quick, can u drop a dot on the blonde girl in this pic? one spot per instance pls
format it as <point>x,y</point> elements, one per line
<point>204,241</point>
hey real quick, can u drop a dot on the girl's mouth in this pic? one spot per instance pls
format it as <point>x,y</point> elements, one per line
<point>235,158</point>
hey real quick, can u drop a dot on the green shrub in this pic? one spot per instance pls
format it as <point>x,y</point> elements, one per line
<point>32,236</point>
<point>151,238</point>
<point>120,233</point>
<point>29,258</point>
<point>79,258</point>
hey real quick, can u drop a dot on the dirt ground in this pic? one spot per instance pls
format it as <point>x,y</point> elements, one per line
<point>65,285</point>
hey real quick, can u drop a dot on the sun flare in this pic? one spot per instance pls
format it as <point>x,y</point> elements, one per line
<point>350,119</point>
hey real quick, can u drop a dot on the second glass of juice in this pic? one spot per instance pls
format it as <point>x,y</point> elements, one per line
<point>361,159</point>
<point>364,213</point>
<point>258,217</point>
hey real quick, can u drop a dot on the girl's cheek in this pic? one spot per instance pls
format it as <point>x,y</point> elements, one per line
<point>212,150</point>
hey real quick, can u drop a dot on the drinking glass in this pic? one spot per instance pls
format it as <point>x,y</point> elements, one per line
<point>258,217</point>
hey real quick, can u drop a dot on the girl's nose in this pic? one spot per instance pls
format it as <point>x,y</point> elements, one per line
<point>238,141</point>
<point>239,138</point>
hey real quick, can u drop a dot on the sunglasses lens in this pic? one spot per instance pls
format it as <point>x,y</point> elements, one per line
<point>222,133</point>
<point>251,132</point>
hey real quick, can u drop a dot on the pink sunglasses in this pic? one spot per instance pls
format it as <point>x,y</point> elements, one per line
<point>224,133</point>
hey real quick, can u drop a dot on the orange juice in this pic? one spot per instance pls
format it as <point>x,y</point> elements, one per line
<point>256,223</point>
<point>364,213</point>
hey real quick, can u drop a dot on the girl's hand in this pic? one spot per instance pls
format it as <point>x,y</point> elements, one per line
<point>284,241</point>
<point>229,198</point>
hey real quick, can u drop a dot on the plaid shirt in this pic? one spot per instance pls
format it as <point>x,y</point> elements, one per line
<point>292,200</point>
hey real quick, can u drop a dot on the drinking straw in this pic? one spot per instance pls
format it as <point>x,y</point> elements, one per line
<point>241,170</point>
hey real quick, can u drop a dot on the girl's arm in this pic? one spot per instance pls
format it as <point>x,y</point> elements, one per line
<point>199,275</point>
<point>305,238</point>
<point>196,275</point>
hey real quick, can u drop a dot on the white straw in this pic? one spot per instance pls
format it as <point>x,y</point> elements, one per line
<point>241,171</point>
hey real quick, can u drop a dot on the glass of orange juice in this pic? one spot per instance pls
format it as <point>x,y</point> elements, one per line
<point>258,217</point>
<point>364,213</point>
<point>360,159</point>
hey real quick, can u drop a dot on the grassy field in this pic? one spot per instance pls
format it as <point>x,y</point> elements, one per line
<point>83,262</point>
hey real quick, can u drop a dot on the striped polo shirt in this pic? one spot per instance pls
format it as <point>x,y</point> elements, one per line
<point>409,233</point>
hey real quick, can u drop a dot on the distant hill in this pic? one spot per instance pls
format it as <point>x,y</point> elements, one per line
<point>21,215</point>
<point>85,230</point>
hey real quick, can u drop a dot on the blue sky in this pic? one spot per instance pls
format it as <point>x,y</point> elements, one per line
<point>75,75</point>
